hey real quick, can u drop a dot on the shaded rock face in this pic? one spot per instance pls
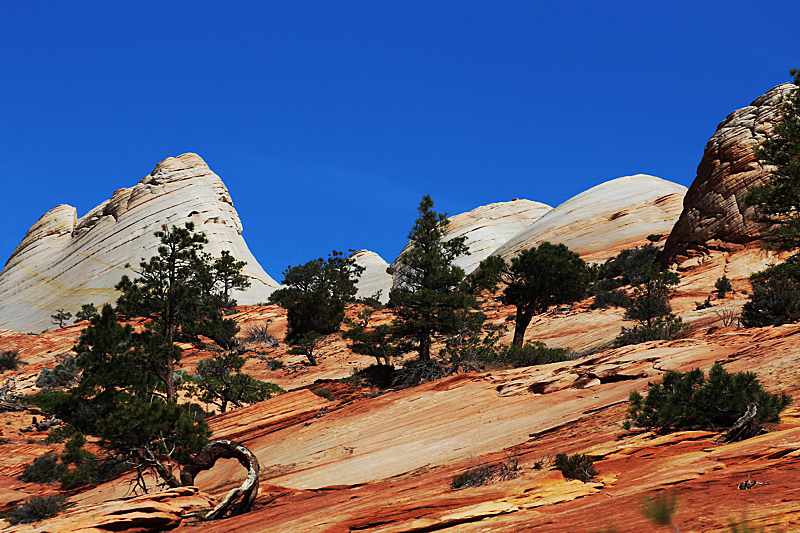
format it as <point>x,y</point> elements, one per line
<point>374,278</point>
<point>64,261</point>
<point>489,226</point>
<point>608,218</point>
<point>713,208</point>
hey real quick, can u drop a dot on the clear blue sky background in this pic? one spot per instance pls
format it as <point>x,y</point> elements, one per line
<point>329,120</point>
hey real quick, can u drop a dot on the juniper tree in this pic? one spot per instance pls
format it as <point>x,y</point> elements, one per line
<point>426,296</point>
<point>535,280</point>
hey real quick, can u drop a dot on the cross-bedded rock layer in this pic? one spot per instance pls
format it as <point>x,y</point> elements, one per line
<point>713,211</point>
<point>64,261</point>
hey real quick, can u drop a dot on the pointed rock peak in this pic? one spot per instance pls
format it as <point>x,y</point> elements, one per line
<point>81,260</point>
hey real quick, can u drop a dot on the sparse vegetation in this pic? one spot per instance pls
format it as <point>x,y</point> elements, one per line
<point>691,401</point>
<point>775,298</point>
<point>577,466</point>
<point>44,469</point>
<point>61,317</point>
<point>62,375</point>
<point>36,509</point>
<point>723,286</point>
<point>660,509</point>
<point>86,313</point>
<point>9,360</point>
<point>531,354</point>
<point>483,474</point>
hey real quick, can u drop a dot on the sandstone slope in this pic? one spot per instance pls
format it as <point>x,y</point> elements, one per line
<point>374,278</point>
<point>602,221</point>
<point>64,261</point>
<point>713,212</point>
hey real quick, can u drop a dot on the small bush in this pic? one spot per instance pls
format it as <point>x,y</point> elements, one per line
<point>576,466</point>
<point>654,237</point>
<point>272,364</point>
<point>690,401</point>
<point>723,286</point>
<point>660,509</point>
<point>9,360</point>
<point>325,392</point>
<point>662,328</point>
<point>37,509</point>
<point>531,354</point>
<point>775,299</point>
<point>259,333</point>
<point>484,474</point>
<point>63,375</point>
<point>61,433</point>
<point>45,469</point>
<point>418,371</point>
<point>613,298</point>
<point>380,376</point>
<point>473,477</point>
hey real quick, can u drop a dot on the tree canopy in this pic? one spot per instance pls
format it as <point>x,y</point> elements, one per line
<point>426,296</point>
<point>536,279</point>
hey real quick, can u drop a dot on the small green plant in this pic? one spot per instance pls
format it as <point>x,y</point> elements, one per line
<point>660,509</point>
<point>380,376</point>
<point>662,328</point>
<point>578,466</point>
<point>61,434</point>
<point>325,392</point>
<point>654,237</point>
<point>531,354</point>
<point>44,469</point>
<point>63,375</point>
<point>723,286</point>
<point>37,509</point>
<point>690,401</point>
<point>9,360</point>
<point>612,298</point>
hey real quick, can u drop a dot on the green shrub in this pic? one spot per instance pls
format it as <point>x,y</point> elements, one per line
<point>37,509</point>
<point>775,299</point>
<point>576,466</point>
<point>44,469</point>
<point>531,354</point>
<point>63,375</point>
<point>660,509</point>
<point>61,433</point>
<point>723,286</point>
<point>654,237</point>
<point>612,298</point>
<point>629,265</point>
<point>380,376</point>
<point>9,360</point>
<point>662,328</point>
<point>690,401</point>
<point>325,392</point>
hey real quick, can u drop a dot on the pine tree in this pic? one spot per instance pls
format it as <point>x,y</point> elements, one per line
<point>426,296</point>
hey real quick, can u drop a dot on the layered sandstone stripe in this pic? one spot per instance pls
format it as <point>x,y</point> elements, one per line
<point>65,261</point>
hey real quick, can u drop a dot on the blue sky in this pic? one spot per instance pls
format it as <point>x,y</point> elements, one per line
<point>328,121</point>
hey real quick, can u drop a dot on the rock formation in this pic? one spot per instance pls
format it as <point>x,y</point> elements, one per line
<point>713,212</point>
<point>374,278</point>
<point>489,226</point>
<point>605,219</point>
<point>64,261</point>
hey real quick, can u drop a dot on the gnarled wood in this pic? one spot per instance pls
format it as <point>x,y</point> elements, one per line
<point>747,426</point>
<point>238,500</point>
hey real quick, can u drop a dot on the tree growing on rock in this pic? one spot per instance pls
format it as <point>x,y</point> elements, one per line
<point>314,296</point>
<point>61,317</point>
<point>777,202</point>
<point>536,279</point>
<point>426,296</point>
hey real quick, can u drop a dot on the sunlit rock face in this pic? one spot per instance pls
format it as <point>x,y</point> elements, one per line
<point>487,227</point>
<point>374,278</point>
<point>605,219</point>
<point>65,261</point>
<point>713,212</point>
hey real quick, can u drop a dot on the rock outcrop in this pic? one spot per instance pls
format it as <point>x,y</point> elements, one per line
<point>713,212</point>
<point>605,219</point>
<point>65,261</point>
<point>374,278</point>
